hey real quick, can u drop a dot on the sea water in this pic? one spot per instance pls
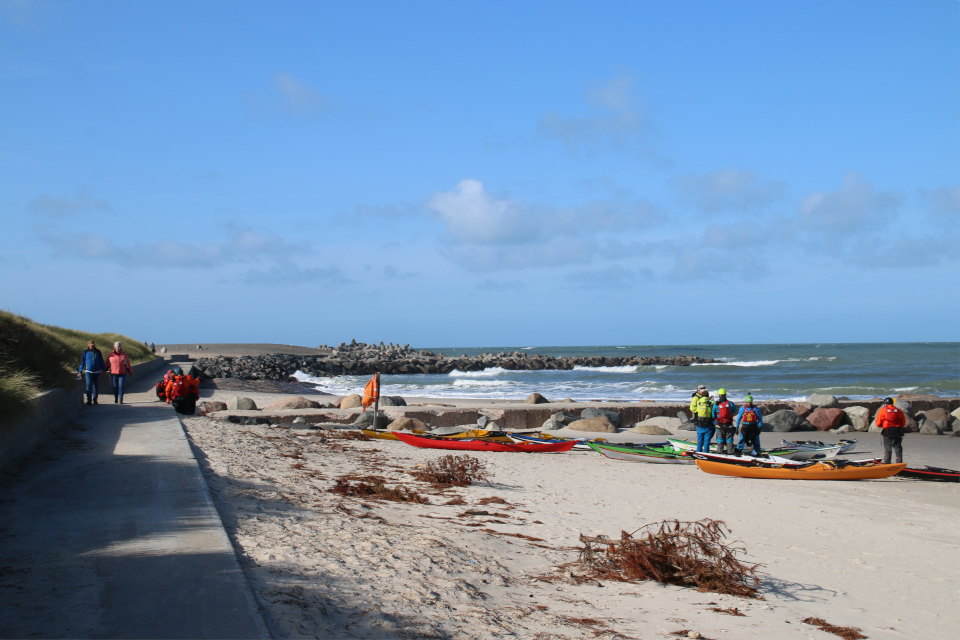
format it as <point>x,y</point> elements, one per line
<point>768,371</point>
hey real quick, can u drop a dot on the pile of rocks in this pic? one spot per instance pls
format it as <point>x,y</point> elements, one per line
<point>363,359</point>
<point>824,413</point>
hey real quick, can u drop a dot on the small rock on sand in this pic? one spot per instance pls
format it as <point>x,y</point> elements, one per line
<point>407,424</point>
<point>239,403</point>
<point>536,398</point>
<point>352,401</point>
<point>296,402</point>
<point>212,406</point>
<point>595,425</point>
<point>650,429</point>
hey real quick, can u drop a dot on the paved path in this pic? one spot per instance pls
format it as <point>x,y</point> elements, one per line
<point>110,532</point>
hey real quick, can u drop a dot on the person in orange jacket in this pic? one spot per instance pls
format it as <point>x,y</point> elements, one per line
<point>182,392</point>
<point>891,421</point>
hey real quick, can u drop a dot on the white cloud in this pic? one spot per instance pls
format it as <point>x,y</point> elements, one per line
<point>485,232</point>
<point>616,118</point>
<point>289,96</point>
<point>242,246</point>
<point>856,205</point>
<point>730,189</point>
<point>470,214</point>
<point>44,205</point>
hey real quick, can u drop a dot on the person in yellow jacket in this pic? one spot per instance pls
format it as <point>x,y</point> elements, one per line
<point>701,407</point>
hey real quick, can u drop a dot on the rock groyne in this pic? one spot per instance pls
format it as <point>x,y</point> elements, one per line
<point>363,359</point>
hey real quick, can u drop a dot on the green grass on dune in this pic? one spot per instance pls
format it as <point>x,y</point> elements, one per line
<point>35,356</point>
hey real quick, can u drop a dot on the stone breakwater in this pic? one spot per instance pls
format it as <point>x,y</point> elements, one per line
<point>363,359</point>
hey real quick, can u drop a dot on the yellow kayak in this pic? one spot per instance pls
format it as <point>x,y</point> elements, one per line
<point>825,470</point>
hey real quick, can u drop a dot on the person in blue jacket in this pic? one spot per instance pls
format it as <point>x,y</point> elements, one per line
<point>749,422</point>
<point>91,366</point>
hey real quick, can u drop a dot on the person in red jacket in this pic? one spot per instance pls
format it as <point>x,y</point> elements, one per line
<point>183,392</point>
<point>891,421</point>
<point>162,385</point>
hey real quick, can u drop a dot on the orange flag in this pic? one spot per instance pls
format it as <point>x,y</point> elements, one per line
<point>370,392</point>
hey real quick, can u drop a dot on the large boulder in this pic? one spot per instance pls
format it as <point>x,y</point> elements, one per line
<point>825,419</point>
<point>352,401</point>
<point>392,401</point>
<point>595,425</point>
<point>536,398</point>
<point>783,420</point>
<point>858,418</point>
<point>365,421</point>
<point>956,413</point>
<point>240,403</point>
<point>297,402</point>
<point>612,416</point>
<point>648,428</point>
<point>664,422</point>
<point>930,428</point>
<point>819,400</point>
<point>212,406</point>
<point>558,420</point>
<point>937,414</point>
<point>407,424</point>
<point>803,409</point>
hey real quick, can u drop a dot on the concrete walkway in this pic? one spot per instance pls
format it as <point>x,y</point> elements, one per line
<point>110,532</point>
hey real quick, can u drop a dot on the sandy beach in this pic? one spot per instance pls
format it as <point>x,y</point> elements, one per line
<point>879,555</point>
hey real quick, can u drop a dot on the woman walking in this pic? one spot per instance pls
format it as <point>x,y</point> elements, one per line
<point>119,364</point>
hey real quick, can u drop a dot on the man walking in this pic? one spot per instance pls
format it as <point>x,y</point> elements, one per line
<point>702,409</point>
<point>91,366</point>
<point>891,421</point>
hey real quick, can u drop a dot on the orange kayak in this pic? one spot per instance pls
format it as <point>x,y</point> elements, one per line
<point>823,470</point>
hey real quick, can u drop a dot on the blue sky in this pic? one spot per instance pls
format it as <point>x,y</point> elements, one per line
<point>483,173</point>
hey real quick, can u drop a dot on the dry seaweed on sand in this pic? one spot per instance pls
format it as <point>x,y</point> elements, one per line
<point>847,633</point>
<point>452,471</point>
<point>672,552</point>
<point>375,487</point>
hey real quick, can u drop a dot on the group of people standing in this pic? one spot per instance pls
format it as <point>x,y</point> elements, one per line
<point>92,364</point>
<point>725,419</point>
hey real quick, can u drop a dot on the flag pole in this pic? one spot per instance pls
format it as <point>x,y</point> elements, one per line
<point>376,402</point>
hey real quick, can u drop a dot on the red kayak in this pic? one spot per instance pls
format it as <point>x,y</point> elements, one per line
<point>426,442</point>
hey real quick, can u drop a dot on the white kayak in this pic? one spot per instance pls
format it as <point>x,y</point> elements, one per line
<point>845,445</point>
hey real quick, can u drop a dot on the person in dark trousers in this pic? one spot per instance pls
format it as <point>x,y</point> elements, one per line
<point>91,366</point>
<point>891,421</point>
<point>749,422</point>
<point>724,411</point>
<point>119,364</point>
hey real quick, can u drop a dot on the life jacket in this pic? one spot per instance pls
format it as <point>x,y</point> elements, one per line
<point>162,389</point>
<point>370,393</point>
<point>702,406</point>
<point>724,412</point>
<point>749,415</point>
<point>889,417</point>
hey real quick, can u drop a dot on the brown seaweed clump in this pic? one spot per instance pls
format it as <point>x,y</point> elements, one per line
<point>847,633</point>
<point>673,552</point>
<point>375,487</point>
<point>452,471</point>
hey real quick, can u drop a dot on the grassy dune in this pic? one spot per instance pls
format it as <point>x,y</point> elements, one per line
<point>35,357</point>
